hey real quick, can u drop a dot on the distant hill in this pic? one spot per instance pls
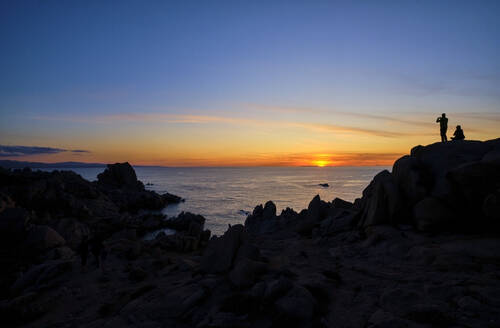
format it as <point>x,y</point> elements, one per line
<point>9,164</point>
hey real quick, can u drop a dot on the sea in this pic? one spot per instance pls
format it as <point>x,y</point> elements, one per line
<point>226,195</point>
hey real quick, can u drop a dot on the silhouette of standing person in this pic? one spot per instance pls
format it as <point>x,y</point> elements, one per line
<point>83,251</point>
<point>443,125</point>
<point>458,134</point>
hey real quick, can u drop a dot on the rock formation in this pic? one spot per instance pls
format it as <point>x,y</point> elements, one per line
<point>418,249</point>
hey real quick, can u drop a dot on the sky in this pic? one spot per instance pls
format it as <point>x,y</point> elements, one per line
<point>244,83</point>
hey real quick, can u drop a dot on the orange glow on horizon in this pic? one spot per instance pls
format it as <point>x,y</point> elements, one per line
<point>321,163</point>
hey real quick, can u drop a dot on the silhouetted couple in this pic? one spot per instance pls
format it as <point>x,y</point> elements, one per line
<point>443,125</point>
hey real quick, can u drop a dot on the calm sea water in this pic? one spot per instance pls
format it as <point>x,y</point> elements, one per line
<point>225,195</point>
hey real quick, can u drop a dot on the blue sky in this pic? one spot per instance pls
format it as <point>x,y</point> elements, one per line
<point>67,66</point>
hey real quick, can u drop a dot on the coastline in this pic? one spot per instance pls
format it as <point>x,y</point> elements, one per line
<point>418,249</point>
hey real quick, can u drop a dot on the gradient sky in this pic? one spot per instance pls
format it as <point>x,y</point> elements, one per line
<point>194,83</point>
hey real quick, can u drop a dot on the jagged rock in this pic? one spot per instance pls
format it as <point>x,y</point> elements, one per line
<point>431,214</point>
<point>263,219</point>
<point>221,251</point>
<point>269,211</point>
<point>314,209</point>
<point>342,204</point>
<point>120,175</point>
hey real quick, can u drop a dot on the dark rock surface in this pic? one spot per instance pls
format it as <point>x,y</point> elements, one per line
<point>419,249</point>
<point>443,186</point>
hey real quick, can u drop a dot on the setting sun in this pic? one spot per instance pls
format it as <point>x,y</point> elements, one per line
<point>321,163</point>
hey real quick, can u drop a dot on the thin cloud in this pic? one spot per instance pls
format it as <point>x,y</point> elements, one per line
<point>207,119</point>
<point>357,130</point>
<point>285,109</point>
<point>17,151</point>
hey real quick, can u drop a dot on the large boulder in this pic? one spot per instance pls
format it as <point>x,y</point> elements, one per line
<point>440,157</point>
<point>412,178</point>
<point>381,201</point>
<point>120,175</point>
<point>441,186</point>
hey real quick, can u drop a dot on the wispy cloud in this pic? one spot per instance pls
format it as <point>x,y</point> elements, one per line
<point>17,151</point>
<point>322,111</point>
<point>356,130</point>
<point>207,119</point>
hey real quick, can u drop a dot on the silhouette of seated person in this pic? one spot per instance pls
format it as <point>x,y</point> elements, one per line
<point>443,126</point>
<point>458,134</point>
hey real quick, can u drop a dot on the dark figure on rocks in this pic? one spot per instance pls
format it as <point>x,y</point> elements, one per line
<point>458,134</point>
<point>83,251</point>
<point>96,247</point>
<point>443,126</point>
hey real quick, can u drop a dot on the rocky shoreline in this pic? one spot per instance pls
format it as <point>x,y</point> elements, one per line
<point>420,248</point>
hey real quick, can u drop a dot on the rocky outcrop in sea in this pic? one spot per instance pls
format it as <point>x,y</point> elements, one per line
<point>418,249</point>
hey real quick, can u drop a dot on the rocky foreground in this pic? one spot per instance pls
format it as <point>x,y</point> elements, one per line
<point>420,248</point>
